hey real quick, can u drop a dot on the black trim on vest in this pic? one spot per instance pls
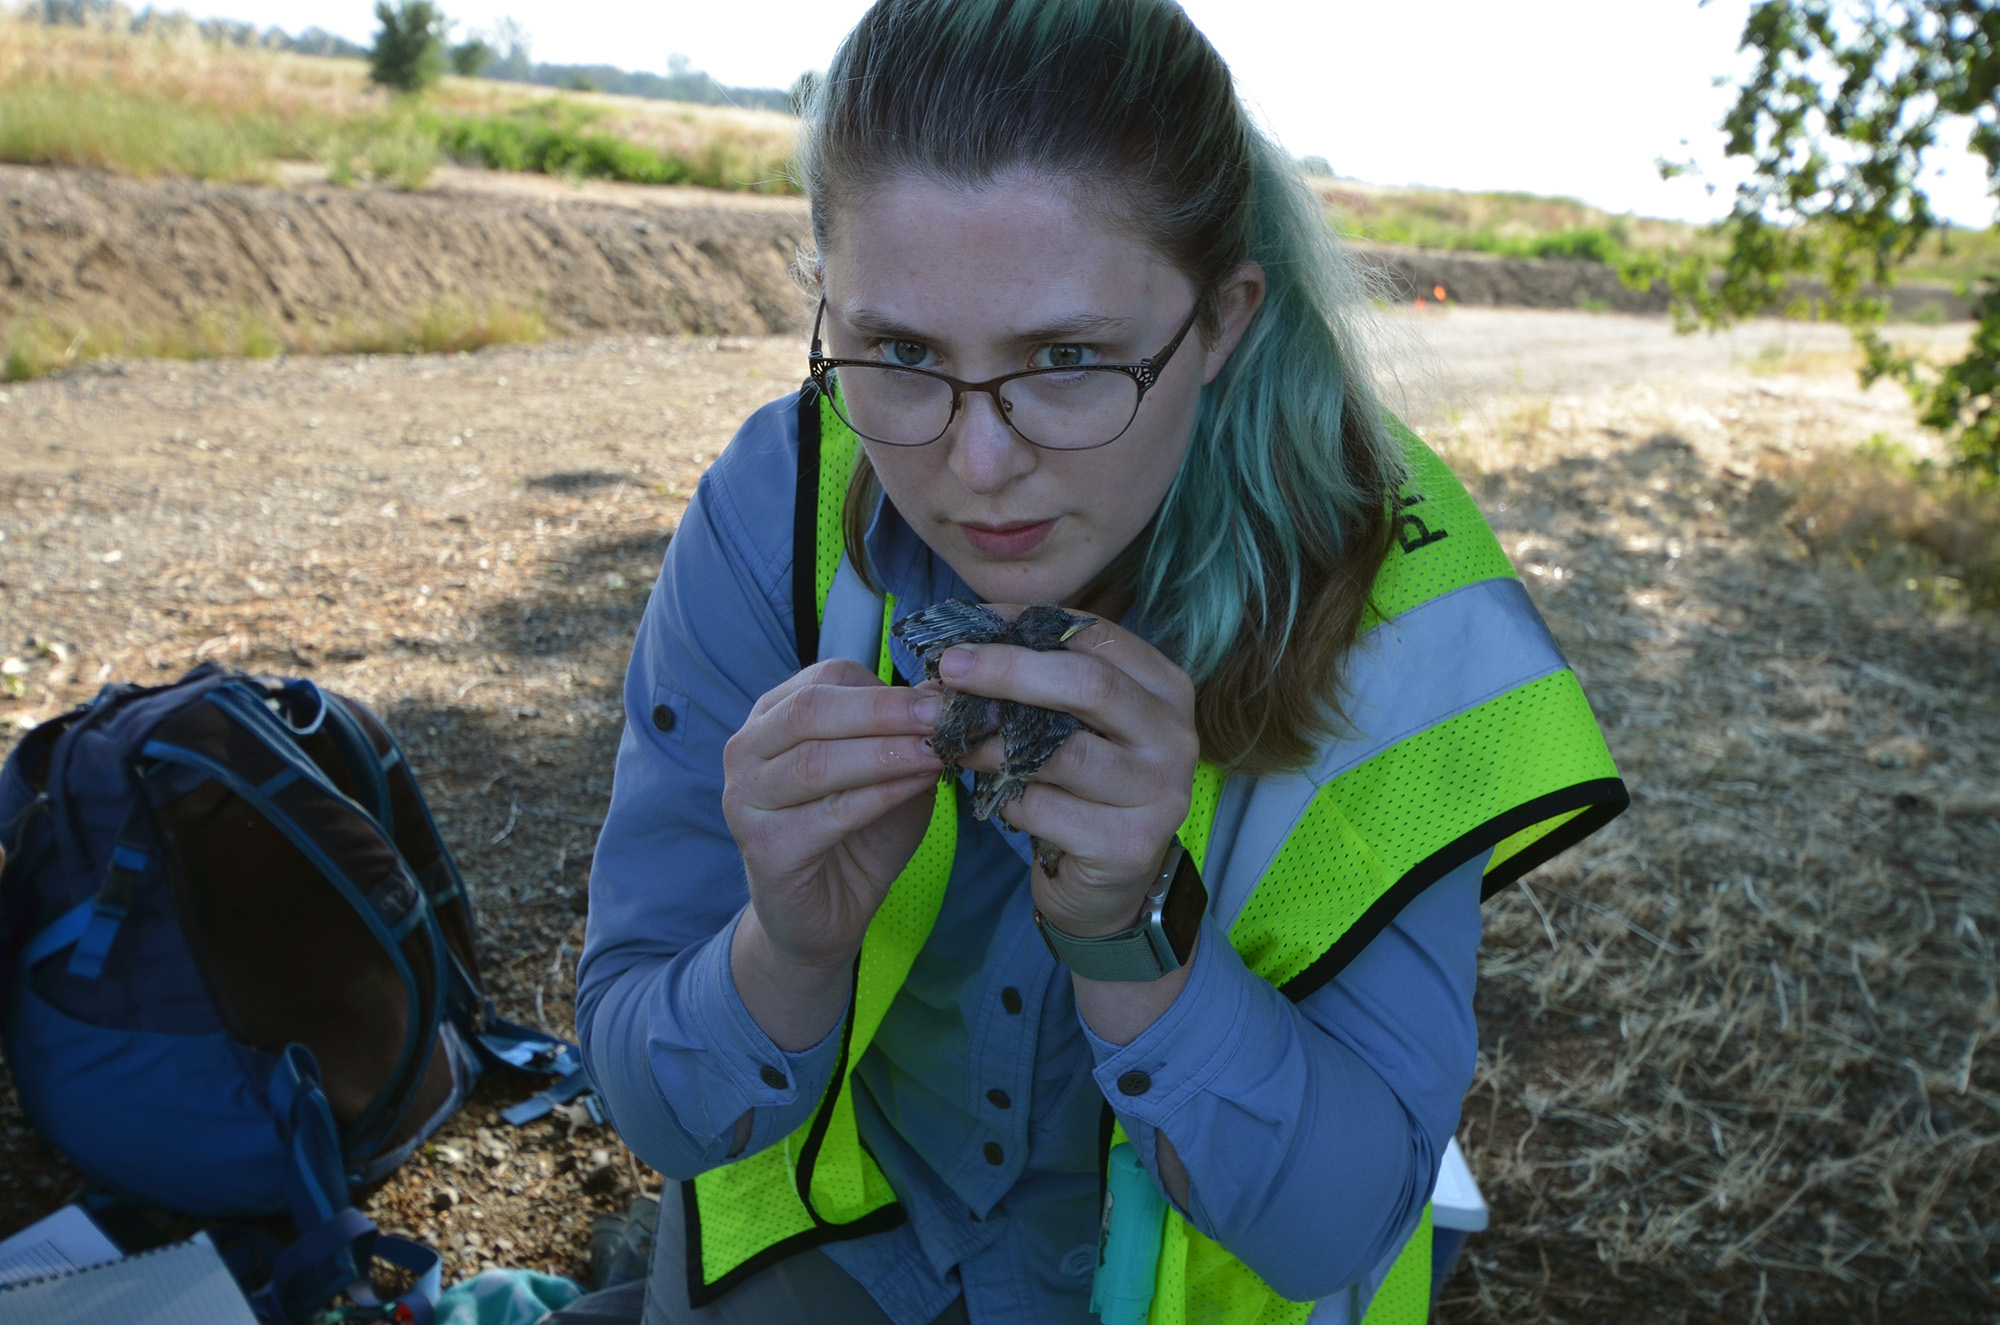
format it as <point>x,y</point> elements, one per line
<point>701,1294</point>
<point>1604,800</point>
<point>805,531</point>
<point>1601,800</point>
<point>823,1115</point>
<point>823,1231</point>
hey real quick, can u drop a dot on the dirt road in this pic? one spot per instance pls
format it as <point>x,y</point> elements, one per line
<point>467,542</point>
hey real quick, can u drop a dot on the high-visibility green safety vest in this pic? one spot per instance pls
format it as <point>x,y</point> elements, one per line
<point>1470,734</point>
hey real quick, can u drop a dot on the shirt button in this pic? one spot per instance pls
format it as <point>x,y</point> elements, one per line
<point>776,1079</point>
<point>663,717</point>
<point>994,1154</point>
<point>1134,1083</point>
<point>999,1099</point>
<point>1010,999</point>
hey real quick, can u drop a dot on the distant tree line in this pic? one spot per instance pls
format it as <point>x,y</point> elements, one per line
<point>151,21</point>
<point>503,54</point>
<point>695,86</point>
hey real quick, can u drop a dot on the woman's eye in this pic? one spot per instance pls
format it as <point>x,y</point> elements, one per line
<point>1063,356</point>
<point>908,353</point>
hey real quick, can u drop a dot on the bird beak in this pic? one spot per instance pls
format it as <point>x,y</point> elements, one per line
<point>1081,625</point>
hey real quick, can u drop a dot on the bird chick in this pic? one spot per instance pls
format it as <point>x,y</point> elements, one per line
<point>1028,735</point>
<point>967,719</point>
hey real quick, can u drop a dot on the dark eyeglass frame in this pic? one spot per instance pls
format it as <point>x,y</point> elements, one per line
<point>1144,374</point>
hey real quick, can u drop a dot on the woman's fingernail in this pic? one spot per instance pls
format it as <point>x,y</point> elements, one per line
<point>927,710</point>
<point>955,663</point>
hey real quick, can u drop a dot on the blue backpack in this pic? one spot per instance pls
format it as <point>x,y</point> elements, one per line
<point>237,966</point>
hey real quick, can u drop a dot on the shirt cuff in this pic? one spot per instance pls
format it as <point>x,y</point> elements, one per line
<point>734,1067</point>
<point>1177,1057</point>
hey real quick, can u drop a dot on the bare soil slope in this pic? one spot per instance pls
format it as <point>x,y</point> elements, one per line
<point>97,249</point>
<point>1738,1052</point>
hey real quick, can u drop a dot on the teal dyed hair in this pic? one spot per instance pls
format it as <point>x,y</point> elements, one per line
<point>1255,571</point>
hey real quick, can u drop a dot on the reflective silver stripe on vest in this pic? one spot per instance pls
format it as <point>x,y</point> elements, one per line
<point>852,625</point>
<point>1443,657</point>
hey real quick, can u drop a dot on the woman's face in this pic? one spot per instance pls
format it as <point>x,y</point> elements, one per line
<point>980,282</point>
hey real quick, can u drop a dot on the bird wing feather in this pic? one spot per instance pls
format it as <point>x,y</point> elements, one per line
<point>953,621</point>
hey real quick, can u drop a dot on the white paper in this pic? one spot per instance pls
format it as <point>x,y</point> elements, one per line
<point>67,1240</point>
<point>184,1284</point>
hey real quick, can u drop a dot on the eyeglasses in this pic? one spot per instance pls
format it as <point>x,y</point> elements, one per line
<point>1075,408</point>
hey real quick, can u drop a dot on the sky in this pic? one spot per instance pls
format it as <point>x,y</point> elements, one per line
<point>1574,98</point>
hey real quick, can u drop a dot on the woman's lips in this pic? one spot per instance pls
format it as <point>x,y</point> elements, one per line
<point>1006,542</point>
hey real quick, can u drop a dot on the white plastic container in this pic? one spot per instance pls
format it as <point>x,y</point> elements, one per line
<point>1457,1212</point>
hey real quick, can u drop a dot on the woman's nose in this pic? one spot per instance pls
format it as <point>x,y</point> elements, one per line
<point>986,454</point>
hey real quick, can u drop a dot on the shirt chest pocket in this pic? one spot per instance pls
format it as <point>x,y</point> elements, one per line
<point>668,715</point>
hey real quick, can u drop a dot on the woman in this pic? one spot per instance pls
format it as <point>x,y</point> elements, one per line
<point>1082,340</point>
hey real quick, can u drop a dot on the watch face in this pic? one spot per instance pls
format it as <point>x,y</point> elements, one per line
<point>1187,899</point>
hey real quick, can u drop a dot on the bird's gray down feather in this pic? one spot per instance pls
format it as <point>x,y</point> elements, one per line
<point>1028,735</point>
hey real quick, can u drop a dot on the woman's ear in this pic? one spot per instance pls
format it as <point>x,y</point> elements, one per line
<point>1238,299</point>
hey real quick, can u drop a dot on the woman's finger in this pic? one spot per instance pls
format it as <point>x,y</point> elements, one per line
<point>836,710</point>
<point>833,671</point>
<point>1096,691</point>
<point>794,843</point>
<point>1135,657</point>
<point>1100,844</point>
<point>842,813</point>
<point>1128,652</point>
<point>1101,772</point>
<point>811,770</point>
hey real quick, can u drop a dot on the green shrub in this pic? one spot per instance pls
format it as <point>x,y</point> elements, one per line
<point>1586,244</point>
<point>552,139</point>
<point>472,57</point>
<point>409,48</point>
<point>134,133</point>
<point>404,155</point>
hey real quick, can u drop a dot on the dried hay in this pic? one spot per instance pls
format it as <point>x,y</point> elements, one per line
<point>1740,1049</point>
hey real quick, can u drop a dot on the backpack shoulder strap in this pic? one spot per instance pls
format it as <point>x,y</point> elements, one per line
<point>336,1242</point>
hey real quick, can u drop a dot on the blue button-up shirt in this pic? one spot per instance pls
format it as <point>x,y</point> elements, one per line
<point>1311,1132</point>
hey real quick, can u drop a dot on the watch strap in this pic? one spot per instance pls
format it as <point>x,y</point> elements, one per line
<point>1145,951</point>
<point>1125,956</point>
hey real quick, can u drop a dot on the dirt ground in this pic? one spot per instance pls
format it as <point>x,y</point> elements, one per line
<point>1739,1058</point>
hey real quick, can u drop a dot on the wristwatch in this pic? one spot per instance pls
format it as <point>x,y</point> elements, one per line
<point>1160,941</point>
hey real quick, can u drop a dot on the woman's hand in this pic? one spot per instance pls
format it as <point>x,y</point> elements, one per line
<point>1113,796</point>
<point>826,789</point>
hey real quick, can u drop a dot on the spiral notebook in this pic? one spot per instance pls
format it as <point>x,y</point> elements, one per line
<point>182,1284</point>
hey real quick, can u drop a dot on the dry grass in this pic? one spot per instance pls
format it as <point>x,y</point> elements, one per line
<point>749,148</point>
<point>35,345</point>
<point>1491,222</point>
<point>1740,1054</point>
<point>170,102</point>
<point>1933,532</point>
<point>1515,223</point>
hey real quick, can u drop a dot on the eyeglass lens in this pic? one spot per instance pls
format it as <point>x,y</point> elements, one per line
<point>1062,411</point>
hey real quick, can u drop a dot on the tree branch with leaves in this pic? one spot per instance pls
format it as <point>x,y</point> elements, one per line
<point>1838,121</point>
